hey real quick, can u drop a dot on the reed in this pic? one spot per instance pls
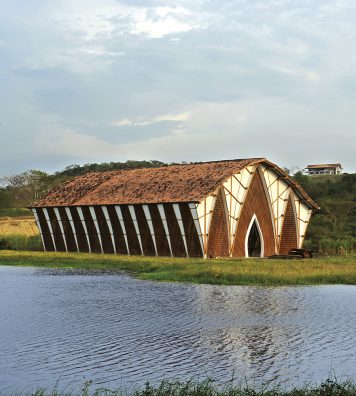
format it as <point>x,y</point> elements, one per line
<point>327,270</point>
<point>205,388</point>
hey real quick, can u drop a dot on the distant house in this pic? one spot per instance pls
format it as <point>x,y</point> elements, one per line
<point>324,169</point>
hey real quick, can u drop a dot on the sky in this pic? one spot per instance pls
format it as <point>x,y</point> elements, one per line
<point>85,81</point>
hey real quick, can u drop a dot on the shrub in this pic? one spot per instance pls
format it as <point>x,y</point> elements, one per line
<point>21,242</point>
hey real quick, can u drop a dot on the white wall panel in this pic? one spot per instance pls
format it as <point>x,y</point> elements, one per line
<point>235,189</point>
<point>165,225</point>
<point>34,211</point>
<point>303,213</point>
<point>150,225</point>
<point>122,223</point>
<point>181,227</point>
<point>45,212</point>
<point>81,216</point>
<point>278,190</point>
<point>133,217</point>
<point>71,222</point>
<point>108,222</point>
<point>58,217</point>
<point>205,210</point>
<point>95,220</point>
<point>194,212</point>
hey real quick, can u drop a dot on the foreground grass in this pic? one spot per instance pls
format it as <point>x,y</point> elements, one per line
<point>333,270</point>
<point>206,388</point>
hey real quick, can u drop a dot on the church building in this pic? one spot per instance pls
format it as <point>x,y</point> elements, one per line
<point>233,208</point>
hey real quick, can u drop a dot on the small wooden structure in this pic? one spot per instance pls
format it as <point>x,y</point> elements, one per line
<point>234,208</point>
<point>324,169</point>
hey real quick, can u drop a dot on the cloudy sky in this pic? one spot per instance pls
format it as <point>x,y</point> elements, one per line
<point>181,80</point>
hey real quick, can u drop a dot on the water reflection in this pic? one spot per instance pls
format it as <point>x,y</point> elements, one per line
<point>117,330</point>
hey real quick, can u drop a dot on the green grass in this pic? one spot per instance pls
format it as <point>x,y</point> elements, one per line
<point>205,388</point>
<point>15,212</point>
<point>330,270</point>
<point>20,242</point>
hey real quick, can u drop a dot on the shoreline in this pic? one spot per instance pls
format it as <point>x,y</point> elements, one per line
<point>329,387</point>
<point>248,272</point>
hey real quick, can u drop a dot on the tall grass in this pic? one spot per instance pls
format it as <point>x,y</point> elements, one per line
<point>21,242</point>
<point>18,225</point>
<point>15,212</point>
<point>205,388</point>
<point>327,270</point>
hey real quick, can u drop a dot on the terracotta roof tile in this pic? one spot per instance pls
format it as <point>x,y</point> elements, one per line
<point>174,183</point>
<point>324,166</point>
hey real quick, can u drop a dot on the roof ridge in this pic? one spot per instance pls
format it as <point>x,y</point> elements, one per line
<point>115,171</point>
<point>172,183</point>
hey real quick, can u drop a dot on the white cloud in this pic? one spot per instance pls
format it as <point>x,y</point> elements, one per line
<point>149,121</point>
<point>105,18</point>
<point>163,21</point>
<point>196,78</point>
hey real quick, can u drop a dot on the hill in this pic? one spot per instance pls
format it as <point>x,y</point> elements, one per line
<point>333,228</point>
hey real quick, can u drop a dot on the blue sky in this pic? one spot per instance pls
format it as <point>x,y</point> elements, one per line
<point>105,80</point>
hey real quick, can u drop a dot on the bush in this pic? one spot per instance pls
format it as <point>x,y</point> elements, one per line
<point>21,242</point>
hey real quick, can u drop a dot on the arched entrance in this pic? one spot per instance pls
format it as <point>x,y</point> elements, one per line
<point>254,246</point>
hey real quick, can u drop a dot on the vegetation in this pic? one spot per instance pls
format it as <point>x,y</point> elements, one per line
<point>24,226</point>
<point>333,229</point>
<point>339,270</point>
<point>205,388</point>
<point>21,242</point>
<point>15,212</point>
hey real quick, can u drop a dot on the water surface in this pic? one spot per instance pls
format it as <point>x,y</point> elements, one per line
<point>116,330</point>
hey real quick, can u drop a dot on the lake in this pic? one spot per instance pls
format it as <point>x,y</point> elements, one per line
<point>119,331</point>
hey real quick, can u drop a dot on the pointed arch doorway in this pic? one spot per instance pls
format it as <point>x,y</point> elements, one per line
<point>254,245</point>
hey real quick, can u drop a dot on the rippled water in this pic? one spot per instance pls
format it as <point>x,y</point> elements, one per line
<point>116,330</point>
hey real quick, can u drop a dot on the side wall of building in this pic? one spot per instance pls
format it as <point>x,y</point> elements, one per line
<point>218,226</point>
<point>152,230</point>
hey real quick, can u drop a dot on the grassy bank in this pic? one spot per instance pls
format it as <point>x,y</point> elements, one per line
<point>331,270</point>
<point>206,388</point>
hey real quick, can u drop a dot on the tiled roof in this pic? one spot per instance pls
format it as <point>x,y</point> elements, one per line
<point>174,183</point>
<point>324,166</point>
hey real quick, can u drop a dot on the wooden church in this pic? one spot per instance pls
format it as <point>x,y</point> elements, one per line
<point>237,208</point>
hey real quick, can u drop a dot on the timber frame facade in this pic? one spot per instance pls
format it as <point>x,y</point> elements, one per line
<point>237,208</point>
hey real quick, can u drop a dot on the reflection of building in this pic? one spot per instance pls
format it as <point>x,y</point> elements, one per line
<point>324,169</point>
<point>236,208</point>
<point>252,327</point>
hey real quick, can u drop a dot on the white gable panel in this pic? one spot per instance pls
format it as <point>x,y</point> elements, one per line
<point>303,216</point>
<point>205,210</point>
<point>278,191</point>
<point>194,212</point>
<point>235,193</point>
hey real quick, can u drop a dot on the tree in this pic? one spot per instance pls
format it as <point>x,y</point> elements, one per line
<point>25,187</point>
